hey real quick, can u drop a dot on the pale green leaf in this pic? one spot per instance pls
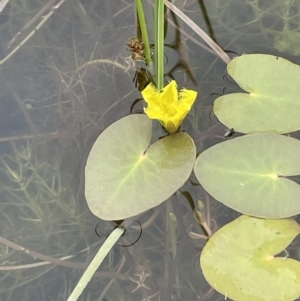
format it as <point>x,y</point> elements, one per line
<point>238,260</point>
<point>249,174</point>
<point>273,101</point>
<point>124,176</point>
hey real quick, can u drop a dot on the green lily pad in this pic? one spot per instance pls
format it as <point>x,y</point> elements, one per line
<point>249,174</point>
<point>238,260</point>
<point>124,176</point>
<point>273,101</point>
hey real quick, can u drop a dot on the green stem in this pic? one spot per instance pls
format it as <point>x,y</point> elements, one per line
<point>97,260</point>
<point>95,263</point>
<point>145,39</point>
<point>159,43</point>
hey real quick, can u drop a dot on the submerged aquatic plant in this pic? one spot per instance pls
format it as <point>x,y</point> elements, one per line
<point>121,182</point>
<point>169,106</point>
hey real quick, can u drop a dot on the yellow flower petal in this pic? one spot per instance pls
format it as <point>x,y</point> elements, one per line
<point>169,94</point>
<point>168,106</point>
<point>149,93</point>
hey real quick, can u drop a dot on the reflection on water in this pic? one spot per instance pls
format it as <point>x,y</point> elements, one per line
<point>69,81</point>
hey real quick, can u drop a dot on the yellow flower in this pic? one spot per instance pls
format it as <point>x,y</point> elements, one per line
<point>168,105</point>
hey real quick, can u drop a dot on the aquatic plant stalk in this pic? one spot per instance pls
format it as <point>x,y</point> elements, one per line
<point>222,54</point>
<point>95,263</point>
<point>44,19</point>
<point>3,4</point>
<point>141,16</point>
<point>159,43</point>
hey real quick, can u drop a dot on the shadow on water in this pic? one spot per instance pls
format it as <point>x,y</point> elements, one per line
<point>68,82</point>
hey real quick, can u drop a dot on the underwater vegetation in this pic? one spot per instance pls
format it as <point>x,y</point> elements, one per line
<point>172,172</point>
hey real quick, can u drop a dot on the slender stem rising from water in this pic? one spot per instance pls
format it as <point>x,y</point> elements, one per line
<point>159,43</point>
<point>141,16</point>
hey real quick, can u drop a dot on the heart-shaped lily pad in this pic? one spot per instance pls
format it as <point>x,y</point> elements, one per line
<point>249,174</point>
<point>124,176</point>
<point>273,101</point>
<point>238,260</point>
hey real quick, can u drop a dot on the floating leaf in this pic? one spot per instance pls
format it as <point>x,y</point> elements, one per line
<point>238,260</point>
<point>124,176</point>
<point>273,102</point>
<point>249,174</point>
